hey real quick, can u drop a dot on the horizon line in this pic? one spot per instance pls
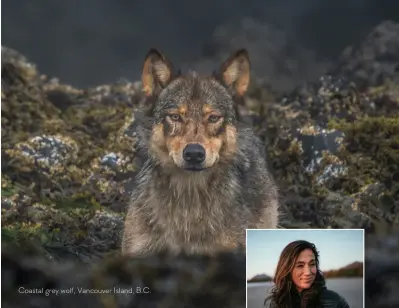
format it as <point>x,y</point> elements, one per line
<point>333,269</point>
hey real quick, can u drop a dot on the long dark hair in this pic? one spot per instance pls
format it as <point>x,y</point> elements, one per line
<point>284,291</point>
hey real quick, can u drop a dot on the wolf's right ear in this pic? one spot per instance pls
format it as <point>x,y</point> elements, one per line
<point>235,71</point>
<point>157,72</point>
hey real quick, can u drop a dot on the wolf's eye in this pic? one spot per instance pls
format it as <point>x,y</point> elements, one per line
<point>175,117</point>
<point>214,118</point>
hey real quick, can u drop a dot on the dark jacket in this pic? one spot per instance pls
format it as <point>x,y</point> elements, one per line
<point>327,299</point>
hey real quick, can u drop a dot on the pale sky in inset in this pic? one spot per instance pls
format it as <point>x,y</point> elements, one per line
<point>337,247</point>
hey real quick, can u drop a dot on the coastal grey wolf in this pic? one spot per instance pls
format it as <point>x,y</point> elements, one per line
<point>204,177</point>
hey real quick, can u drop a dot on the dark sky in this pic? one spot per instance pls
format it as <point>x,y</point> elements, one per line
<point>89,42</point>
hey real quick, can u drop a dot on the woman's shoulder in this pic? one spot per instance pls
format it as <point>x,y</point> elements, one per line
<point>331,299</point>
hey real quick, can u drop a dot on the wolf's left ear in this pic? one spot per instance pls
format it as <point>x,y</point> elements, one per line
<point>235,71</point>
<point>157,72</point>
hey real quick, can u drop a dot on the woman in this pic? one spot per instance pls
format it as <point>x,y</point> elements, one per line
<point>298,281</point>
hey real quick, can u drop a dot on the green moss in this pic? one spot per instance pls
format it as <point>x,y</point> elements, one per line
<point>59,227</point>
<point>23,232</point>
<point>377,137</point>
<point>7,192</point>
<point>78,200</point>
<point>320,191</point>
<point>370,150</point>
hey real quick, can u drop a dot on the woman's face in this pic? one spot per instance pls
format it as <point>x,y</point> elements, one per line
<point>304,272</point>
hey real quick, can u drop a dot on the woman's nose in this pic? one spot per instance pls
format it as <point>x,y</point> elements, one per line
<point>308,270</point>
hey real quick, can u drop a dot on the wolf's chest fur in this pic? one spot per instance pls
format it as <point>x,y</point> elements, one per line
<point>192,209</point>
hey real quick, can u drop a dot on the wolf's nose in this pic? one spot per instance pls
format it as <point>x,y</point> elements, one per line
<point>194,153</point>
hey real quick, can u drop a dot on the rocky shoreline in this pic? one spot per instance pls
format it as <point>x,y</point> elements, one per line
<point>68,157</point>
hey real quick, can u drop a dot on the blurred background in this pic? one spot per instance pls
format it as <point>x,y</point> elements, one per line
<point>86,43</point>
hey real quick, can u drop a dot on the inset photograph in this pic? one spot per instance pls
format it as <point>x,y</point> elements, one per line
<point>305,268</point>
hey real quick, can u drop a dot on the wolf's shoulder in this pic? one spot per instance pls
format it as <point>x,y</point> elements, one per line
<point>249,142</point>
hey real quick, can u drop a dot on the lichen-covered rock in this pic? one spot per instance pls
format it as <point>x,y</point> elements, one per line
<point>328,137</point>
<point>24,107</point>
<point>72,231</point>
<point>56,177</point>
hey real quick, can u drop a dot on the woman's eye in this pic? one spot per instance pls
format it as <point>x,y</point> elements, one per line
<point>213,118</point>
<point>175,117</point>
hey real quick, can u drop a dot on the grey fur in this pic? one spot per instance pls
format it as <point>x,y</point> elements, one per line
<point>199,212</point>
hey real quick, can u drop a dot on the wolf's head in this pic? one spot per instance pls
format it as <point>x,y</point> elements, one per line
<point>194,117</point>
